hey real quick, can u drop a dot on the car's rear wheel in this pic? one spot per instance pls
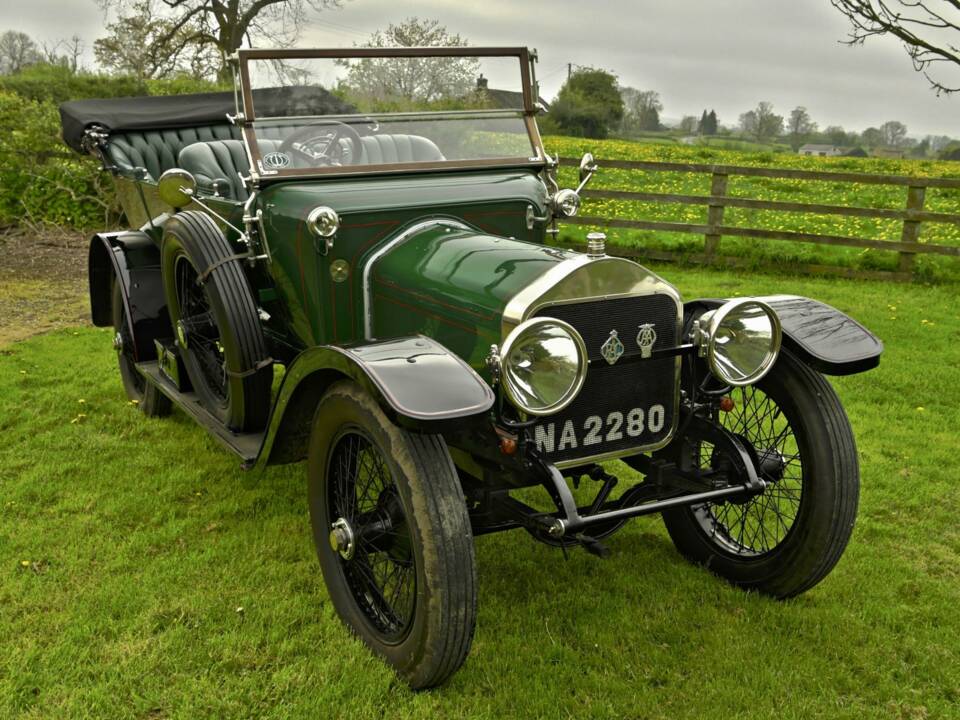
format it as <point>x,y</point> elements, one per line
<point>149,400</point>
<point>393,536</point>
<point>215,321</point>
<point>786,539</point>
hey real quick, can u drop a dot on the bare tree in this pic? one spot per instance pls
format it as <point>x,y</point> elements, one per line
<point>894,133</point>
<point>64,52</point>
<point>17,51</point>
<point>641,110</point>
<point>688,124</point>
<point>927,28</point>
<point>224,25</point>
<point>800,127</point>
<point>413,79</point>
<point>762,122</point>
<point>140,44</point>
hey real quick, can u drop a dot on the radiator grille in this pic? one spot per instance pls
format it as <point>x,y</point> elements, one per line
<point>621,406</point>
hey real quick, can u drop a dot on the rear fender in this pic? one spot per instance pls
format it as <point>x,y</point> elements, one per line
<point>828,340</point>
<point>134,260</point>
<point>419,384</point>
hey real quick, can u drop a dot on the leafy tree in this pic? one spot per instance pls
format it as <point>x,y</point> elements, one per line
<point>641,110</point>
<point>872,137</point>
<point>708,123</point>
<point>938,142</point>
<point>950,152</point>
<point>17,51</point>
<point>588,104</point>
<point>799,127</point>
<point>712,124</point>
<point>836,135</point>
<point>921,149</point>
<point>415,80</point>
<point>223,25</point>
<point>894,133</point>
<point>762,123</point>
<point>927,28</point>
<point>141,45</point>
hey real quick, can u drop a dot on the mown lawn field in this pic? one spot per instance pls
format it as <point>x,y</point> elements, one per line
<point>766,251</point>
<point>143,575</point>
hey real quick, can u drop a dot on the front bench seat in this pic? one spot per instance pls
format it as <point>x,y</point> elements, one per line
<point>398,148</point>
<point>222,161</point>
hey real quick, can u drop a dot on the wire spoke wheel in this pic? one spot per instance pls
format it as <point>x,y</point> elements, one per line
<point>380,569</point>
<point>198,329</point>
<point>787,538</point>
<point>760,523</point>
<point>392,534</point>
<point>215,321</point>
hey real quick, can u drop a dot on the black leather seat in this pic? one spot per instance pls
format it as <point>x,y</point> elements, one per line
<point>158,150</point>
<point>217,164</point>
<point>398,148</point>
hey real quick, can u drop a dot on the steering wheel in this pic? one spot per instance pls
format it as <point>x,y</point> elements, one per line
<point>319,143</point>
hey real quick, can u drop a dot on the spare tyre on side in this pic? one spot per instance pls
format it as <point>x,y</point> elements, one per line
<point>215,322</point>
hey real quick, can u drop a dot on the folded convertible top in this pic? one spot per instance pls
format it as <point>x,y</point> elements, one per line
<point>160,112</point>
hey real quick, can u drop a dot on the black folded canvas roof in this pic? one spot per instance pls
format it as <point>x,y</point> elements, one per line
<point>160,112</point>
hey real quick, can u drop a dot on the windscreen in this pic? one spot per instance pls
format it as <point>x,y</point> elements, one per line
<point>353,113</point>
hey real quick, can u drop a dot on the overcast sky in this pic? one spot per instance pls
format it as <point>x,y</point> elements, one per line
<point>724,54</point>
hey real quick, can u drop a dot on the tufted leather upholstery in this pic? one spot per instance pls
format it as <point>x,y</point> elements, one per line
<point>398,148</point>
<point>220,161</point>
<point>158,150</point>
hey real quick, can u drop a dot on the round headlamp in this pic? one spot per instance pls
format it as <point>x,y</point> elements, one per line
<point>566,203</point>
<point>543,364</point>
<point>741,340</point>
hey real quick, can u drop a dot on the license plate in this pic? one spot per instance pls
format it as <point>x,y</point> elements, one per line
<point>594,431</point>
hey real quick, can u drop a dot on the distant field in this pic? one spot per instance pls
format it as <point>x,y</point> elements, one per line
<point>766,251</point>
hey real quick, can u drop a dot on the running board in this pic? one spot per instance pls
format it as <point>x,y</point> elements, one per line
<point>245,445</point>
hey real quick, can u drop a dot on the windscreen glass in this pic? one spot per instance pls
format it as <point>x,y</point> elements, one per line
<point>317,113</point>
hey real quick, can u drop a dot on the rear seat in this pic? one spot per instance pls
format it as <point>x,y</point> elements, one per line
<point>159,150</point>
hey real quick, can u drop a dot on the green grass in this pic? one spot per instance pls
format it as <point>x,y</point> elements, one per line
<point>767,252</point>
<point>143,575</point>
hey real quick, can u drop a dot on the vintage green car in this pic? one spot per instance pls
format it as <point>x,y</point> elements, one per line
<point>376,224</point>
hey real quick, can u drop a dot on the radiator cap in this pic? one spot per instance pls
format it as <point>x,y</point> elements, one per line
<point>596,244</point>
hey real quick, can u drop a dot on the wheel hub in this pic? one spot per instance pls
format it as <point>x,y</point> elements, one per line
<point>118,342</point>
<point>342,539</point>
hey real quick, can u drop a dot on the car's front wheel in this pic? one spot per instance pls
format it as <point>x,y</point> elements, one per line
<point>393,536</point>
<point>786,539</point>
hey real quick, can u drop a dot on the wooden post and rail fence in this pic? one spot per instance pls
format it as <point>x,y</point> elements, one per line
<point>912,215</point>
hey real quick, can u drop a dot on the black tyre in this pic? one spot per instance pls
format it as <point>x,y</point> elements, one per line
<point>393,536</point>
<point>215,321</point>
<point>787,539</point>
<point>150,401</point>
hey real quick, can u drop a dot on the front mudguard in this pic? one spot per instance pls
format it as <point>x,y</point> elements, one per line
<point>826,339</point>
<point>418,382</point>
<point>133,259</point>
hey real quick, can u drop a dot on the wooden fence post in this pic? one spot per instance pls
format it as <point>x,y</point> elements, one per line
<point>718,188</point>
<point>911,228</point>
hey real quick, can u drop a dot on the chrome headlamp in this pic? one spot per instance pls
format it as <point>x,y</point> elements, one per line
<point>543,364</point>
<point>740,340</point>
<point>565,203</point>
